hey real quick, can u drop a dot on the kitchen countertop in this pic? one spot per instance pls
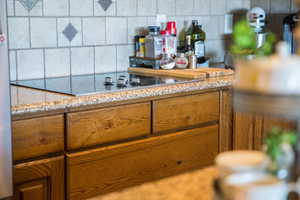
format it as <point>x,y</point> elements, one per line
<point>195,185</point>
<point>31,101</point>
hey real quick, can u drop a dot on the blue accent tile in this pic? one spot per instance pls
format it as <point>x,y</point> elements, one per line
<point>28,4</point>
<point>105,4</point>
<point>70,32</point>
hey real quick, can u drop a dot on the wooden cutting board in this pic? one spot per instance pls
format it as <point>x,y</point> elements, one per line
<point>200,73</point>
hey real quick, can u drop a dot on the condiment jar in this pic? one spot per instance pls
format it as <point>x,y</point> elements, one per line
<point>181,61</point>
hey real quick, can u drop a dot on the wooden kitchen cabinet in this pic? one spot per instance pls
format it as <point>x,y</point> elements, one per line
<point>108,169</point>
<point>38,137</point>
<point>40,180</point>
<point>250,130</point>
<point>113,147</point>
<point>106,125</point>
<point>185,112</point>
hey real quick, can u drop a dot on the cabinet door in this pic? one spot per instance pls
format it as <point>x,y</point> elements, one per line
<point>108,169</point>
<point>251,130</point>
<point>32,190</point>
<point>180,113</point>
<point>40,180</point>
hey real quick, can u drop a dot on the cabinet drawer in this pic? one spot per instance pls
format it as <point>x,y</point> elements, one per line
<point>182,112</point>
<point>108,169</point>
<point>108,125</point>
<point>37,137</point>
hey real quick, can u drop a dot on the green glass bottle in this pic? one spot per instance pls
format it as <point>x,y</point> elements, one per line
<point>198,39</point>
<point>188,41</point>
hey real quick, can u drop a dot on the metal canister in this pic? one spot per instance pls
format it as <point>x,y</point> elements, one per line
<point>142,46</point>
<point>192,61</point>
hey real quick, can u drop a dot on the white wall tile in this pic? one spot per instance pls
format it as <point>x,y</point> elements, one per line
<point>93,31</point>
<point>234,5</point>
<point>126,7</point>
<point>10,8</point>
<point>146,7</point>
<point>136,25</point>
<point>81,8</point>
<point>57,62</point>
<point>43,32</point>
<point>215,50</point>
<point>202,7</point>
<point>18,30</point>
<point>56,7</point>
<point>166,7</point>
<point>116,30</point>
<point>82,60</point>
<point>105,59</point>
<point>111,11</point>
<point>280,6</point>
<point>184,7</point>
<point>62,23</point>
<point>264,4</point>
<point>36,11</point>
<point>30,64</point>
<point>123,53</point>
<point>13,65</point>
<point>220,9</point>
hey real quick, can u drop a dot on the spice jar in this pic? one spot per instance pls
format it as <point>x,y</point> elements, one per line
<point>181,61</point>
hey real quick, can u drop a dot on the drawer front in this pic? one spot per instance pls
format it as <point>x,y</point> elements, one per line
<point>108,125</point>
<point>183,112</point>
<point>37,137</point>
<point>112,168</point>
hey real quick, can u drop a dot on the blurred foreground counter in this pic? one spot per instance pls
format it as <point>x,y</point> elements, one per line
<point>195,185</point>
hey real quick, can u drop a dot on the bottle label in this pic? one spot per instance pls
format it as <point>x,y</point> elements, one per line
<point>199,49</point>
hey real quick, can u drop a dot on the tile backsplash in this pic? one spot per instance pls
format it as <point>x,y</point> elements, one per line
<point>50,38</point>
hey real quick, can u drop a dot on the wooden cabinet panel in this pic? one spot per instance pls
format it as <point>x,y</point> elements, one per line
<point>108,125</point>
<point>42,178</point>
<point>226,121</point>
<point>244,126</point>
<point>37,137</point>
<point>111,168</point>
<point>183,112</point>
<point>251,130</point>
<point>33,190</point>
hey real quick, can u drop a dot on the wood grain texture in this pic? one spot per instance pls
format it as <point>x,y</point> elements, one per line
<point>111,168</point>
<point>244,127</point>
<point>183,112</point>
<point>51,169</point>
<point>226,121</point>
<point>33,190</point>
<point>108,125</point>
<point>38,136</point>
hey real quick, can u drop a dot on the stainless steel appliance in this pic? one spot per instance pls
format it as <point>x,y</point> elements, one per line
<point>97,83</point>
<point>6,188</point>
<point>289,24</point>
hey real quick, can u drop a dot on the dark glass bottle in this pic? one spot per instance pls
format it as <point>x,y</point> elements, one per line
<point>198,38</point>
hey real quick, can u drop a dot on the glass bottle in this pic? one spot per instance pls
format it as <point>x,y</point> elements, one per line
<point>153,43</point>
<point>198,45</point>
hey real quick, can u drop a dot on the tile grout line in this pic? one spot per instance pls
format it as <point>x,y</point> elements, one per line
<point>44,62</point>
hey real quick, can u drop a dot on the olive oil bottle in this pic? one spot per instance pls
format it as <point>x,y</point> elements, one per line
<point>198,41</point>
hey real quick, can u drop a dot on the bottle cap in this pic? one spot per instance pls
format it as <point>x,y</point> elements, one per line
<point>171,26</point>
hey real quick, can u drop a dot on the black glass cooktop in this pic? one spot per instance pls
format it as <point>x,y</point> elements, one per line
<point>95,83</point>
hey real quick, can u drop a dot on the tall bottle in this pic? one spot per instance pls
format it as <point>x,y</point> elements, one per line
<point>188,41</point>
<point>198,39</point>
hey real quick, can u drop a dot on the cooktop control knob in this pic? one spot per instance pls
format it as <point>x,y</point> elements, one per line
<point>108,81</point>
<point>122,82</point>
<point>135,81</point>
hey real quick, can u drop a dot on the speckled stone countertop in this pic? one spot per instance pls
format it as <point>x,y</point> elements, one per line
<point>29,101</point>
<point>196,185</point>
